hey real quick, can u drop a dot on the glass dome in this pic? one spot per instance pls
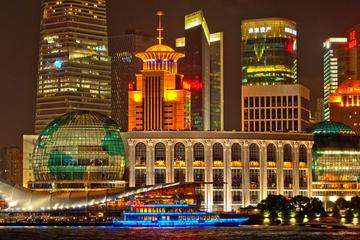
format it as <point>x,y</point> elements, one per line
<point>79,146</point>
<point>330,128</point>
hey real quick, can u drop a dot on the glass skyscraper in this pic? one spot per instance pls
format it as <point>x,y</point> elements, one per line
<point>74,67</point>
<point>335,62</point>
<point>203,68</point>
<point>269,51</point>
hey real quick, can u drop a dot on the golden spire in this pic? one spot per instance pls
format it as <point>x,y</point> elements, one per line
<point>159,29</point>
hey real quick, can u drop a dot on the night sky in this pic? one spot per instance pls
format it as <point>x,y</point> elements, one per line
<point>316,20</point>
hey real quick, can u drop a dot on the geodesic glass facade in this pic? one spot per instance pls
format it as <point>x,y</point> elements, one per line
<point>79,146</point>
<point>336,153</point>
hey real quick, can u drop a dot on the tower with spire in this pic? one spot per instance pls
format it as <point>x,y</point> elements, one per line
<point>159,99</point>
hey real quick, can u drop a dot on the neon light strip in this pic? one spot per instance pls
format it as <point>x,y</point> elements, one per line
<point>165,213</point>
<point>162,205</point>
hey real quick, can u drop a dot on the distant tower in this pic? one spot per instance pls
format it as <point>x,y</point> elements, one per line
<point>74,67</point>
<point>335,68</point>
<point>269,51</point>
<point>271,98</point>
<point>203,68</point>
<point>160,99</point>
<point>124,67</point>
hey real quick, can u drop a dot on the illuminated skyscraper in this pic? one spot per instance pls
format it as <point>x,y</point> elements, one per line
<point>216,82</point>
<point>275,108</point>
<point>203,68</point>
<point>74,67</point>
<point>124,66</point>
<point>268,51</point>
<point>334,68</point>
<point>160,98</point>
<point>344,104</point>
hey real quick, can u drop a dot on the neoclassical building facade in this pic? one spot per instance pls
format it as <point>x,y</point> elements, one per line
<point>237,168</point>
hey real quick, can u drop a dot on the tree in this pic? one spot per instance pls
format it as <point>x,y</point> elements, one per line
<point>314,207</point>
<point>300,202</point>
<point>342,204</point>
<point>275,206</point>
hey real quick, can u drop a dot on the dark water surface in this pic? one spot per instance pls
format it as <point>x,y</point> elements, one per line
<point>243,232</point>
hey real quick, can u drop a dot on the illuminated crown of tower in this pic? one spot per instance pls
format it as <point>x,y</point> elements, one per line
<point>159,52</point>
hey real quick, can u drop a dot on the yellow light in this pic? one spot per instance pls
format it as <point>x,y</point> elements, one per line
<point>171,96</point>
<point>137,97</point>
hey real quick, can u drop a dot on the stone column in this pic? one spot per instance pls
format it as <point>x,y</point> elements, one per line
<point>263,165</point>
<point>295,154</point>
<point>208,176</point>
<point>150,171</point>
<point>189,155</point>
<point>245,177</point>
<point>279,168</point>
<point>131,158</point>
<point>227,175</point>
<point>169,162</point>
<point>309,170</point>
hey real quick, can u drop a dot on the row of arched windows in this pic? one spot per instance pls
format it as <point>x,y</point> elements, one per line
<point>218,155</point>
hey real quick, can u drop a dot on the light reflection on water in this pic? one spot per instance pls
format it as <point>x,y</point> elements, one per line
<point>111,233</point>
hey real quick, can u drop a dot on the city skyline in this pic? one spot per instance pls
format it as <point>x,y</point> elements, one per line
<point>314,26</point>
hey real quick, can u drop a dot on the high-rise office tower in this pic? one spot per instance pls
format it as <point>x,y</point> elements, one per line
<point>160,99</point>
<point>275,108</point>
<point>344,104</point>
<point>268,51</point>
<point>124,67</point>
<point>335,64</point>
<point>203,68</point>
<point>74,67</point>
<point>216,81</point>
<point>271,98</point>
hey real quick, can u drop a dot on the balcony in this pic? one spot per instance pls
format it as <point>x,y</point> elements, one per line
<point>302,165</point>
<point>199,163</point>
<point>254,164</point>
<point>271,164</point>
<point>288,164</point>
<point>218,163</point>
<point>179,163</point>
<point>236,163</point>
<point>160,163</point>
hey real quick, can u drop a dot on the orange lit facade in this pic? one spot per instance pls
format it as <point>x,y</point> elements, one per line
<point>345,104</point>
<point>160,98</point>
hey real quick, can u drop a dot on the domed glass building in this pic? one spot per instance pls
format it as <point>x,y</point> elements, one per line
<point>79,150</point>
<point>335,162</point>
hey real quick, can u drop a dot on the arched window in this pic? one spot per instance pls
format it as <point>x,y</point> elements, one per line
<point>179,155</point>
<point>271,155</point>
<point>160,155</point>
<point>287,155</point>
<point>254,155</point>
<point>218,155</point>
<point>302,156</point>
<point>236,155</point>
<point>199,160</point>
<point>140,154</point>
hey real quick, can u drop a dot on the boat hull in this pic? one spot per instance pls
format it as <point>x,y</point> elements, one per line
<point>178,223</point>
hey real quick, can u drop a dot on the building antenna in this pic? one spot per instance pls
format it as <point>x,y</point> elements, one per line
<point>159,29</point>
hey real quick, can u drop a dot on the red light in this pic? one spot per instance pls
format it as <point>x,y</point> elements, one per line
<point>131,86</point>
<point>290,45</point>
<point>190,85</point>
<point>352,39</point>
<point>352,35</point>
<point>353,43</point>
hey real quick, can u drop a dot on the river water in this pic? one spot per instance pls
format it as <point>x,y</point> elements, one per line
<point>112,233</point>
